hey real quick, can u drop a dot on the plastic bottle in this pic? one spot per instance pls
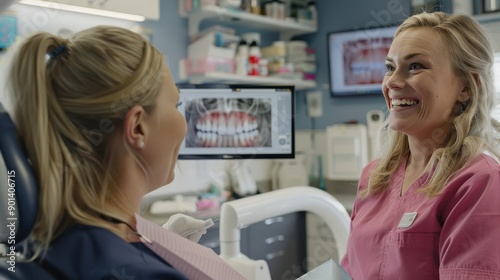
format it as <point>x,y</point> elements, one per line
<point>253,59</point>
<point>280,13</point>
<point>313,12</point>
<point>255,7</point>
<point>245,5</point>
<point>242,58</point>
<point>263,67</point>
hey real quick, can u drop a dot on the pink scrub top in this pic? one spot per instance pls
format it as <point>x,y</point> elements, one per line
<point>455,235</point>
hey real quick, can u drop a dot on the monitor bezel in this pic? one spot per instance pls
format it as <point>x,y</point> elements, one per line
<point>356,90</point>
<point>230,156</point>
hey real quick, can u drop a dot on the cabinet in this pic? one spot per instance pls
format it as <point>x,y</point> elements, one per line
<point>286,29</point>
<point>150,9</point>
<point>278,240</point>
<point>347,151</point>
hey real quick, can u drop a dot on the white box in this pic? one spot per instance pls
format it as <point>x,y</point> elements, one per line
<point>213,44</point>
<point>210,51</point>
<point>347,151</point>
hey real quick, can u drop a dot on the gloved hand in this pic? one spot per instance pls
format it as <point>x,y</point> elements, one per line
<point>187,226</point>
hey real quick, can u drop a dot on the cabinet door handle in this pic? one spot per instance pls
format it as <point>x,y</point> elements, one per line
<point>274,255</point>
<point>271,221</point>
<point>276,238</point>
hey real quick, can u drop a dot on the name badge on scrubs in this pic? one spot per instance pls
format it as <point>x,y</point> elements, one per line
<point>407,220</point>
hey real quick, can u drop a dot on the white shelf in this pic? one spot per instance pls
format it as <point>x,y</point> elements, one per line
<point>233,78</point>
<point>286,28</point>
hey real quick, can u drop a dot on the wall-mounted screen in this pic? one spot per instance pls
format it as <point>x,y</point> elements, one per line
<point>238,122</point>
<point>357,60</point>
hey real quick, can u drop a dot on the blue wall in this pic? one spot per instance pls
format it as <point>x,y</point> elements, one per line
<point>170,36</point>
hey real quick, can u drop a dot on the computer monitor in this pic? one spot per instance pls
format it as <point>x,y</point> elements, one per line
<point>238,121</point>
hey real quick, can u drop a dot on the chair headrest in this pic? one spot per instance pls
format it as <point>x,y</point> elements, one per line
<point>21,183</point>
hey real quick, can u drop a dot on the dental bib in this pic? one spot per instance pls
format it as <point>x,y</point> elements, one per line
<point>192,259</point>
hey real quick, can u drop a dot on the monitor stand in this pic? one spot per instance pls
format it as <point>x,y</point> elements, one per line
<point>242,180</point>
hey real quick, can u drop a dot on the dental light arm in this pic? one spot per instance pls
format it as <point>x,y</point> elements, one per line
<point>249,210</point>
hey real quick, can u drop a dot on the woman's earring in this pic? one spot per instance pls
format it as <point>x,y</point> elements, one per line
<point>463,106</point>
<point>141,144</point>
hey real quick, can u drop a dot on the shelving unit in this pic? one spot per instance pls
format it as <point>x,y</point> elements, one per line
<point>286,29</point>
<point>233,78</point>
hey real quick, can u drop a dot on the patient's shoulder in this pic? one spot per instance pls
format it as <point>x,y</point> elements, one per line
<point>87,252</point>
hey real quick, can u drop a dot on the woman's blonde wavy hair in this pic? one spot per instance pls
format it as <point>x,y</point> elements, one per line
<point>474,130</point>
<point>69,96</point>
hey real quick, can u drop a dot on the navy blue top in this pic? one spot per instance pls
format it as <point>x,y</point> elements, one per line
<point>87,252</point>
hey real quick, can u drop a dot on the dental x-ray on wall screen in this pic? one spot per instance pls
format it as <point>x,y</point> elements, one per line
<point>237,121</point>
<point>357,60</point>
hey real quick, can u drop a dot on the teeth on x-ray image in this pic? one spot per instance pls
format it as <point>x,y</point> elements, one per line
<point>228,122</point>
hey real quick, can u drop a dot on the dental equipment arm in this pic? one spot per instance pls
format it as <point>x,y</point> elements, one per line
<point>249,210</point>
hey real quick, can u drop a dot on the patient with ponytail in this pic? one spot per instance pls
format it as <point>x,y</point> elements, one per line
<point>97,115</point>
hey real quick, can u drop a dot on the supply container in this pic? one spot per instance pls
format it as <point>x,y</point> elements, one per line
<point>194,66</point>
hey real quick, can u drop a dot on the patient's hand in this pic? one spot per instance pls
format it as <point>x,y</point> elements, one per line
<point>187,226</point>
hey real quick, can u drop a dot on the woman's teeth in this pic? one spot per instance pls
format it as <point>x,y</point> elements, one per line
<point>403,102</point>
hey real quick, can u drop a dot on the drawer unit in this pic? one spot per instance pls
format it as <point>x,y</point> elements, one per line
<point>280,241</point>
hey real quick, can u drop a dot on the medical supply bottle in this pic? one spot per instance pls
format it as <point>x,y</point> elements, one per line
<point>263,67</point>
<point>242,58</point>
<point>313,12</point>
<point>253,59</point>
<point>255,7</point>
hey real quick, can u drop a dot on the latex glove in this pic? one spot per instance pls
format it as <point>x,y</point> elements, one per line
<point>187,226</point>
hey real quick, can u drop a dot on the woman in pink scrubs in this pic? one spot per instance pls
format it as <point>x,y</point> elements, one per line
<point>429,207</point>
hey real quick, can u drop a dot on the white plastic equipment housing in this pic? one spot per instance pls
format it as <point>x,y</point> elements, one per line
<point>256,208</point>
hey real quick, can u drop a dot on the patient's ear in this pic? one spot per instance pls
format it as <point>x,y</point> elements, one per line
<point>134,127</point>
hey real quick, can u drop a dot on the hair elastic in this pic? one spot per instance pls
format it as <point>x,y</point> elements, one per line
<point>57,51</point>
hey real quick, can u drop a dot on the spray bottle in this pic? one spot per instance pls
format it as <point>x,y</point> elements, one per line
<point>242,58</point>
<point>253,59</point>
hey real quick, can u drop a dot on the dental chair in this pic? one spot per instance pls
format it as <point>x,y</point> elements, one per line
<point>19,191</point>
<point>22,196</point>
